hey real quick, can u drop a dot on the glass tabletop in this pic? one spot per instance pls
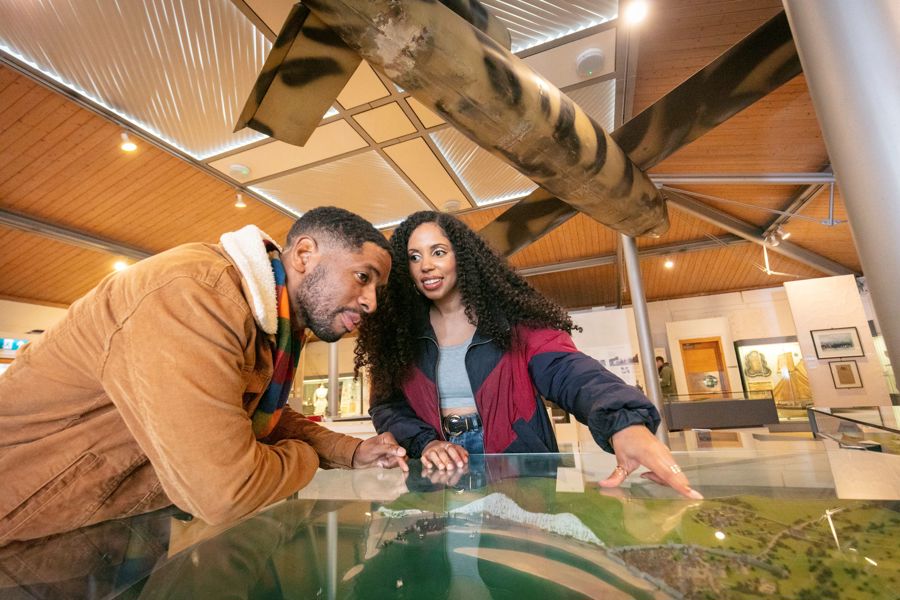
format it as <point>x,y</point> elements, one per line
<point>510,526</point>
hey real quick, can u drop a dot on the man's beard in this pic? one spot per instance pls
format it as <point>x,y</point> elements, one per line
<point>312,304</point>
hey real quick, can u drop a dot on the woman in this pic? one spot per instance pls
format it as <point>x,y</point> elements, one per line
<point>462,350</point>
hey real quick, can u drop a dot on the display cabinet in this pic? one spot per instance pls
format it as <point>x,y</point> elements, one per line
<point>510,526</point>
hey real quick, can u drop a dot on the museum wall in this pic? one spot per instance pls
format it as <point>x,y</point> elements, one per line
<point>17,317</point>
<point>829,303</point>
<point>610,337</point>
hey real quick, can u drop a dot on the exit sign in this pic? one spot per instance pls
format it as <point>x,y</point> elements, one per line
<point>12,343</point>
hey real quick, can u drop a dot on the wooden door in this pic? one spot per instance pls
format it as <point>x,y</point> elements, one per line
<point>704,367</point>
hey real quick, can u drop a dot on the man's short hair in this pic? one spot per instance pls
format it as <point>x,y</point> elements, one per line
<point>660,358</point>
<point>342,226</point>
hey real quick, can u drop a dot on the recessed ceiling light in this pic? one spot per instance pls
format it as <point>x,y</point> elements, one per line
<point>589,63</point>
<point>669,264</point>
<point>239,170</point>
<point>127,145</point>
<point>636,11</point>
<point>120,265</point>
<point>239,202</point>
<point>451,205</point>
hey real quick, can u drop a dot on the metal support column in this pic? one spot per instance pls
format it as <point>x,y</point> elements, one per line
<point>333,386</point>
<point>850,52</point>
<point>642,322</point>
<point>331,552</point>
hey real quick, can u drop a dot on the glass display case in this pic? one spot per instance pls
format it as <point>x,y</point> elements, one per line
<point>874,428</point>
<point>775,366</point>
<point>510,526</point>
<point>352,394</point>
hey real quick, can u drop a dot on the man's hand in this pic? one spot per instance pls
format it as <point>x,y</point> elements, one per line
<point>439,454</point>
<point>380,451</point>
<point>636,446</point>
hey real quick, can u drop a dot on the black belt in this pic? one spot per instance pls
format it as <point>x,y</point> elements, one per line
<point>457,424</point>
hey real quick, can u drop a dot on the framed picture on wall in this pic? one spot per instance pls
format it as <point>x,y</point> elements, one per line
<point>845,374</point>
<point>837,343</point>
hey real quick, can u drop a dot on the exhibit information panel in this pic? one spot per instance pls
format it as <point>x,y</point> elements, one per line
<point>510,526</point>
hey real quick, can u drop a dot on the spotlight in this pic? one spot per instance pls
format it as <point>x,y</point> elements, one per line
<point>636,11</point>
<point>239,203</point>
<point>127,145</point>
<point>669,264</point>
<point>776,237</point>
<point>120,265</point>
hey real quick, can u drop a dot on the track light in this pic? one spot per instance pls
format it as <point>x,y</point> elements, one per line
<point>127,145</point>
<point>239,203</point>
<point>776,237</point>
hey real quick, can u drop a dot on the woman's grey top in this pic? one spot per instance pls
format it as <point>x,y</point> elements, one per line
<point>453,385</point>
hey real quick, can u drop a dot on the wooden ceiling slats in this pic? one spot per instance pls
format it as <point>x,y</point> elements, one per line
<point>777,134</point>
<point>42,178</point>
<point>681,27</point>
<point>762,198</point>
<point>57,272</point>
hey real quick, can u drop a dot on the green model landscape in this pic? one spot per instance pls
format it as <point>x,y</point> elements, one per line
<point>738,547</point>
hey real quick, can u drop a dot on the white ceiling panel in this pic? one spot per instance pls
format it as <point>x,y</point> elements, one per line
<point>385,122</point>
<point>558,65</point>
<point>178,69</point>
<point>428,118</point>
<point>534,22</point>
<point>598,101</point>
<point>364,183</point>
<point>487,178</point>
<point>329,140</point>
<point>420,164</point>
<point>364,86</point>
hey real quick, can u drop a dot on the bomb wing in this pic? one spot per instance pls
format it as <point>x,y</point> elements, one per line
<point>452,66</point>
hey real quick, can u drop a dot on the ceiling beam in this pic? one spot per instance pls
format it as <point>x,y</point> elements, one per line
<point>609,259</point>
<point>752,233</point>
<point>743,179</point>
<point>797,203</point>
<point>70,236</point>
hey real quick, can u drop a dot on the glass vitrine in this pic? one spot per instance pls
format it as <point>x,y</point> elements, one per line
<point>509,526</point>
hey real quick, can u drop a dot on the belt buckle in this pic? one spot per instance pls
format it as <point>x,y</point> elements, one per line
<point>453,421</point>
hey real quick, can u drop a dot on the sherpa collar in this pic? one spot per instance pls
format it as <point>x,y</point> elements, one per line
<point>247,249</point>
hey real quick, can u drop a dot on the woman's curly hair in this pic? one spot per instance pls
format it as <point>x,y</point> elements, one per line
<point>494,296</point>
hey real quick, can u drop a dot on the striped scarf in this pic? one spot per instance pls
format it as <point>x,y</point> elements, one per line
<point>286,345</point>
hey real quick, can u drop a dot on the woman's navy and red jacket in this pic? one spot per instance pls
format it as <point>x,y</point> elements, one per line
<point>508,387</point>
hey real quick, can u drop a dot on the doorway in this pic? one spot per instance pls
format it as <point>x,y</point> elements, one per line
<point>704,367</point>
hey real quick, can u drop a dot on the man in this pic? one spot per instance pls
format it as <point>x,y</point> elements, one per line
<point>666,377</point>
<point>167,382</point>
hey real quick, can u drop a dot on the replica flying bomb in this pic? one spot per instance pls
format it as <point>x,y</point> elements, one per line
<point>454,57</point>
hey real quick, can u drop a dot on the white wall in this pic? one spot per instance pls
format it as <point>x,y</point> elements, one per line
<point>751,315</point>
<point>833,302</point>
<point>609,333</point>
<point>18,317</point>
